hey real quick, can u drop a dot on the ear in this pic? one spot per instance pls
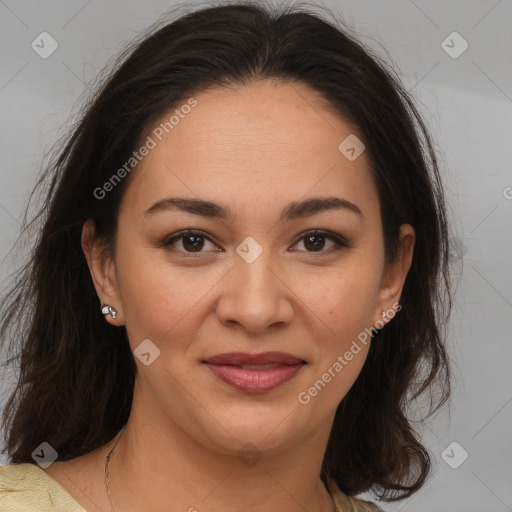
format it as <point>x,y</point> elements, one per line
<point>103,272</point>
<point>394,276</point>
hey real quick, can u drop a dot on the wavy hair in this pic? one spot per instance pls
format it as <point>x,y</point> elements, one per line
<point>77,372</point>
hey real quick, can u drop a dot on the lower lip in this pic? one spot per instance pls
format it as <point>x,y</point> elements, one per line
<point>255,381</point>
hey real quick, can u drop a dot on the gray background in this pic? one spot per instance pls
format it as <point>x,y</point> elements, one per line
<point>467,102</point>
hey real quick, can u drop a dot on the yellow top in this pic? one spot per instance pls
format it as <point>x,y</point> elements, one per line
<point>27,488</point>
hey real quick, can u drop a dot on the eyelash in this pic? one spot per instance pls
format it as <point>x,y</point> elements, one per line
<point>338,240</point>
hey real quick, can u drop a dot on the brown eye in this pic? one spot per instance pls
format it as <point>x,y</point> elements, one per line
<point>315,241</point>
<point>191,241</point>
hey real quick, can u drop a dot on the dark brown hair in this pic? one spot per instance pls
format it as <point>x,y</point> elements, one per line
<point>77,371</point>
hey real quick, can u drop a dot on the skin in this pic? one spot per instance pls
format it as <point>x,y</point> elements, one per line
<point>253,149</point>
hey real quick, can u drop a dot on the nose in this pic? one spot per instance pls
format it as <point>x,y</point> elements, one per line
<point>256,295</point>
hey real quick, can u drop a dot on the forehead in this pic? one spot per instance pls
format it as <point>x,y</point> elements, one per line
<point>259,144</point>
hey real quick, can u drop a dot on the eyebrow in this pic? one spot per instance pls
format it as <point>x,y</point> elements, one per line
<point>291,211</point>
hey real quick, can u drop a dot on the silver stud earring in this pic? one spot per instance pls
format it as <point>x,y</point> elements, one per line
<point>108,310</point>
<point>384,314</point>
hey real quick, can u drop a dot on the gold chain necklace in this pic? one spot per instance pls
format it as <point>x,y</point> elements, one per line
<point>107,461</point>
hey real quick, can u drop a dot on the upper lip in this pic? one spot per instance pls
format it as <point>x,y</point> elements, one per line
<point>242,358</point>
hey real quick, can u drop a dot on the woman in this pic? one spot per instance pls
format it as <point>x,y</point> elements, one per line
<point>238,291</point>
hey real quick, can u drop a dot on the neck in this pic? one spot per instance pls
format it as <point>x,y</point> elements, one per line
<point>151,468</point>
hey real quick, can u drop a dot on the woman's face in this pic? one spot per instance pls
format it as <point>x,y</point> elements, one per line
<point>253,280</point>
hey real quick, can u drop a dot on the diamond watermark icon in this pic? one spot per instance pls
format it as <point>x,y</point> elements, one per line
<point>351,147</point>
<point>249,455</point>
<point>454,45</point>
<point>44,45</point>
<point>249,249</point>
<point>147,352</point>
<point>454,455</point>
<point>44,455</point>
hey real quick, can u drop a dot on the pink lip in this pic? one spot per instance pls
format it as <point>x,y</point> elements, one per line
<point>238,358</point>
<point>226,368</point>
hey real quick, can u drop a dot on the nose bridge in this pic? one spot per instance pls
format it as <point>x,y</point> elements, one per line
<point>258,297</point>
<point>254,268</point>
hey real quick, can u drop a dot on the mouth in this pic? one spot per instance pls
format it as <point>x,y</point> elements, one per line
<point>254,373</point>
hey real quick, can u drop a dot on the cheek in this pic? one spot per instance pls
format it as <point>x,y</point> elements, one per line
<point>347,304</point>
<point>161,301</point>
<point>343,350</point>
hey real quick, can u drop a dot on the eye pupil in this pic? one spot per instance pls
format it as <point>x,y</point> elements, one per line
<point>196,244</point>
<point>318,246</point>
